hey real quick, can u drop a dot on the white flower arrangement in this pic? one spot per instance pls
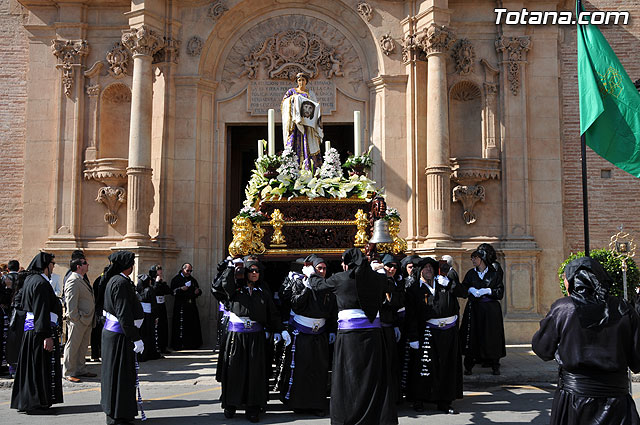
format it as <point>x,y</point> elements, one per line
<point>392,213</point>
<point>253,214</point>
<point>331,166</point>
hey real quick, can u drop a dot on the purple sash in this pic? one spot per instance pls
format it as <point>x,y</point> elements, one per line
<point>358,323</point>
<point>220,307</point>
<point>386,325</point>
<point>443,327</point>
<point>305,329</point>
<point>29,325</point>
<point>485,299</point>
<point>113,326</point>
<point>243,328</point>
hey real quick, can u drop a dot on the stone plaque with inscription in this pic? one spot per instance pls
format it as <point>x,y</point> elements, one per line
<point>266,94</point>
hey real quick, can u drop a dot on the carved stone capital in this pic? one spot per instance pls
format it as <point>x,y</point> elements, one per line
<point>514,52</point>
<point>170,51</point>
<point>468,196</point>
<point>112,198</point>
<point>436,39</point>
<point>387,44</point>
<point>70,54</point>
<point>93,91</point>
<point>365,10</point>
<point>464,56</point>
<point>411,49</point>
<point>142,41</point>
<point>119,60</point>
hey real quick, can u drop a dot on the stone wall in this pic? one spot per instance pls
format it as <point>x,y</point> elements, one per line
<point>613,199</point>
<point>14,52</point>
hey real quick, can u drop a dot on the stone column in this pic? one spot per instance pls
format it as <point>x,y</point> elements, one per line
<point>143,42</point>
<point>436,42</point>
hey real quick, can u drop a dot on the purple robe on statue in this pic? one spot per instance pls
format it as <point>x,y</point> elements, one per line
<point>304,143</point>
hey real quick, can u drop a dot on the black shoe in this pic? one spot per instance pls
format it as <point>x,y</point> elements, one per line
<point>418,406</point>
<point>229,412</point>
<point>253,418</point>
<point>495,370</point>
<point>467,372</point>
<point>447,409</point>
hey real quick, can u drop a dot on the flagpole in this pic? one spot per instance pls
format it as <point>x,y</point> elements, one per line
<point>583,157</point>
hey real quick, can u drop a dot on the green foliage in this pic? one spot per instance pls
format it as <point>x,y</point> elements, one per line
<point>613,266</point>
<point>363,160</point>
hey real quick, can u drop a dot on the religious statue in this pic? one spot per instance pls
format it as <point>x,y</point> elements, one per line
<point>302,123</point>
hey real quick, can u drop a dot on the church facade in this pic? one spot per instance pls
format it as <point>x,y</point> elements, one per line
<point>133,125</point>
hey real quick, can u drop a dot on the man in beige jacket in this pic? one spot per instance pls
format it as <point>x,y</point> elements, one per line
<point>81,319</point>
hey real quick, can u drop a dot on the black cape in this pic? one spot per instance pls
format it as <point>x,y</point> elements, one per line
<point>482,328</point>
<point>118,377</point>
<point>185,329</point>
<point>601,353</point>
<point>38,381</point>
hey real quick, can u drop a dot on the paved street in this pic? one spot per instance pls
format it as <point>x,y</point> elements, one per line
<point>181,389</point>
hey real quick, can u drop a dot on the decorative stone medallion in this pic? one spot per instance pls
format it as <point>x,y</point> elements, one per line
<point>387,45</point>
<point>194,46</point>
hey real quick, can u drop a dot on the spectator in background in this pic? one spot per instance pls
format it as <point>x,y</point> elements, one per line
<point>186,332</point>
<point>162,290</point>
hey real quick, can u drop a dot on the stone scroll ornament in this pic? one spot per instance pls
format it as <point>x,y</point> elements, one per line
<point>289,52</point>
<point>70,54</point>
<point>464,56</point>
<point>119,60</point>
<point>387,45</point>
<point>365,10</point>
<point>514,50</point>
<point>216,9</point>
<point>468,196</point>
<point>112,198</point>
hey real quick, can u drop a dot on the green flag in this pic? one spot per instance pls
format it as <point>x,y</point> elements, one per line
<point>609,102</point>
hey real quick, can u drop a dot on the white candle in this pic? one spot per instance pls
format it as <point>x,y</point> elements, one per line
<point>327,146</point>
<point>271,140</point>
<point>356,134</point>
<point>260,149</point>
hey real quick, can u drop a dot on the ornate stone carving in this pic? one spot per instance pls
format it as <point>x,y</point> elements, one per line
<point>365,10</point>
<point>170,51</point>
<point>93,91</point>
<point>514,52</point>
<point>387,45</point>
<point>468,196</point>
<point>464,55</point>
<point>112,198</point>
<point>464,91</point>
<point>470,171</point>
<point>194,46</point>
<point>108,171</point>
<point>289,52</point>
<point>119,60</point>
<point>70,54</point>
<point>142,41</point>
<point>264,50</point>
<point>411,49</point>
<point>117,93</point>
<point>216,9</point>
<point>277,221</point>
<point>436,39</point>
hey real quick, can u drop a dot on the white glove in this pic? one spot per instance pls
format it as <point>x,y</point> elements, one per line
<point>443,281</point>
<point>396,330</point>
<point>308,270</point>
<point>414,344</point>
<point>237,261</point>
<point>306,283</point>
<point>277,338</point>
<point>332,338</point>
<point>287,338</point>
<point>138,322</point>
<point>377,265</point>
<point>187,284</point>
<point>267,334</point>
<point>138,346</point>
<point>474,292</point>
<point>484,291</point>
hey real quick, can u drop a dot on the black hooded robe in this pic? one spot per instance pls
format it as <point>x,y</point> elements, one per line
<point>185,328</point>
<point>307,357</point>
<point>482,328</point>
<point>440,379</point>
<point>38,380</point>
<point>148,329</point>
<point>361,383</point>
<point>594,342</point>
<point>244,375</point>
<point>162,290</point>
<point>118,383</point>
